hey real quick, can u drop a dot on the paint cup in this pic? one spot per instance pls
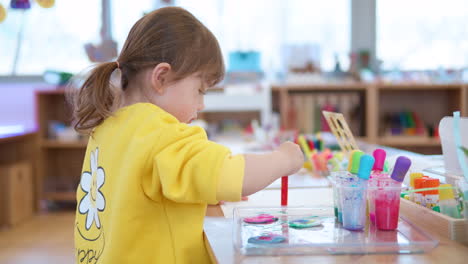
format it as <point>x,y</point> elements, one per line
<point>374,182</point>
<point>353,200</point>
<point>337,178</point>
<point>386,200</point>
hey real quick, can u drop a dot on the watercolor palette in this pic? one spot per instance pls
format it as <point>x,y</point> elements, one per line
<point>324,236</point>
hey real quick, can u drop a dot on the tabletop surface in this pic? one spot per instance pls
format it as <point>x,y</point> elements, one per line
<point>9,135</point>
<point>218,228</point>
<point>218,232</point>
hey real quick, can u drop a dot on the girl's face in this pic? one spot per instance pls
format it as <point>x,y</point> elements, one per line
<point>184,98</point>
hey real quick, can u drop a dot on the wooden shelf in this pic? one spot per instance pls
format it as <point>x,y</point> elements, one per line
<point>60,90</point>
<point>64,158</point>
<point>432,101</point>
<point>419,86</point>
<point>321,87</point>
<point>63,144</point>
<point>413,141</point>
<point>68,196</point>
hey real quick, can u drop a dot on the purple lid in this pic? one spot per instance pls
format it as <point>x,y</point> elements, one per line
<point>400,169</point>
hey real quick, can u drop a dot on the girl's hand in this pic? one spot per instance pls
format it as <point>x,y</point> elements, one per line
<point>292,152</point>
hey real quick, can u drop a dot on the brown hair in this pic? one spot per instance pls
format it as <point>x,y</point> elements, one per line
<point>171,35</point>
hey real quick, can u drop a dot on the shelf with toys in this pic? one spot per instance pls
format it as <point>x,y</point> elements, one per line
<point>61,149</point>
<point>397,115</point>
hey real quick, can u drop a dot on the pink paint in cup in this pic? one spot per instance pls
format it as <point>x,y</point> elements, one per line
<point>387,196</point>
<point>387,207</point>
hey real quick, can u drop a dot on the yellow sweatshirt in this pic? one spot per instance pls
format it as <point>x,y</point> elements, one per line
<point>145,185</point>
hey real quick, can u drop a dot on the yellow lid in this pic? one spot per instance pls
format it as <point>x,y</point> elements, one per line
<point>413,176</point>
<point>447,193</point>
<point>3,13</point>
<point>406,197</point>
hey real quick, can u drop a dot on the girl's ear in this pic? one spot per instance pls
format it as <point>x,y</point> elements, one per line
<point>160,77</point>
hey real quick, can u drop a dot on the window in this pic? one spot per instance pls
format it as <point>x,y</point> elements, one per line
<point>268,25</point>
<point>52,38</point>
<point>124,14</point>
<point>55,38</point>
<point>422,34</point>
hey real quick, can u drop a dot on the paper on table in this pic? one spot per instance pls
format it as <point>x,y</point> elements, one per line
<point>311,197</point>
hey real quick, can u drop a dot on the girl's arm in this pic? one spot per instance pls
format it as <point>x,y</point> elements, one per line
<point>262,169</point>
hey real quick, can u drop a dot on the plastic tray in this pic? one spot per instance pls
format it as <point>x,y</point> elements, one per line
<point>328,238</point>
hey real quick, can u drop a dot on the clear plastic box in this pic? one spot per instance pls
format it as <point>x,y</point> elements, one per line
<point>328,238</point>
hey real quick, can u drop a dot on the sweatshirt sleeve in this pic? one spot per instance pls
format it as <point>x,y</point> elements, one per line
<point>188,168</point>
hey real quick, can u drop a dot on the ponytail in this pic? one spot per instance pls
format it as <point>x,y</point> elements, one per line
<point>94,101</point>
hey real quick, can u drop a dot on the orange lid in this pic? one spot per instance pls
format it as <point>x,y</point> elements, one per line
<point>419,183</point>
<point>431,183</point>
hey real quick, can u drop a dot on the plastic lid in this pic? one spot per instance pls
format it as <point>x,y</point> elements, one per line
<point>365,166</point>
<point>350,158</point>
<point>379,156</point>
<point>419,183</point>
<point>414,176</point>
<point>446,194</point>
<point>402,166</point>
<point>431,183</point>
<point>355,161</point>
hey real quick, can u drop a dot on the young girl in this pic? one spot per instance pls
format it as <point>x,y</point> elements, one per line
<point>147,176</point>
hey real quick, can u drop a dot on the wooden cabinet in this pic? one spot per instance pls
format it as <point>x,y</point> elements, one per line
<point>16,193</point>
<point>18,186</point>
<point>431,101</point>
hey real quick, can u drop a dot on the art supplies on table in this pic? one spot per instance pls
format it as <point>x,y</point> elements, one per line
<point>318,159</point>
<point>284,191</point>
<point>309,231</point>
<point>341,130</point>
<point>447,204</point>
<point>366,185</point>
<point>385,190</point>
<point>449,222</point>
<point>353,193</point>
<point>429,193</point>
